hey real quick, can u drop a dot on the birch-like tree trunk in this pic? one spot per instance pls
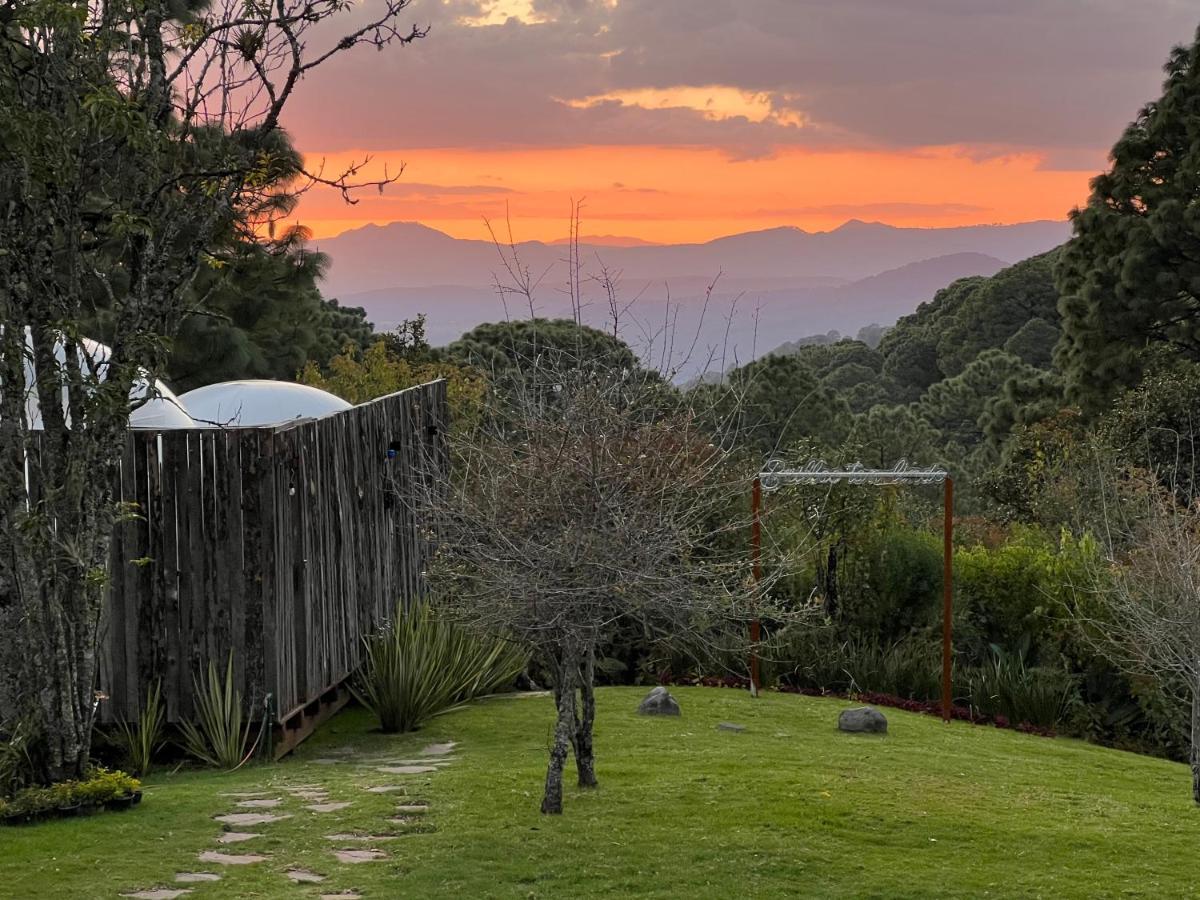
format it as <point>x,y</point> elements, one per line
<point>564,730</point>
<point>585,756</point>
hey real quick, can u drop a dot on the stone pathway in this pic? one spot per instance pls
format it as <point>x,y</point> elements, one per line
<point>259,804</point>
<point>236,837</point>
<point>303,876</point>
<point>410,816</point>
<point>231,859</point>
<point>359,856</point>
<point>251,818</point>
<point>328,807</point>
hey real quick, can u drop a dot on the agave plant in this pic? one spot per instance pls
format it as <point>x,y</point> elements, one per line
<point>420,664</point>
<point>220,734</point>
<point>142,739</point>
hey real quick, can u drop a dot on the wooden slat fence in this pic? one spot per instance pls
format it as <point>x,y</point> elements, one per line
<point>283,546</point>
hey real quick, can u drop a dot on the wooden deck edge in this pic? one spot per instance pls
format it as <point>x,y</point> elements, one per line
<point>300,724</point>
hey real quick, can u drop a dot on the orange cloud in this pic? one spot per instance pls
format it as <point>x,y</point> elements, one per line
<point>677,194</point>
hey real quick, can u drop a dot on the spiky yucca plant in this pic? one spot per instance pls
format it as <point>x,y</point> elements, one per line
<point>220,734</point>
<point>142,739</point>
<point>420,663</point>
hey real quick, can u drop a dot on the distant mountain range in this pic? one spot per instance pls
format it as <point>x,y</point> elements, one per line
<point>780,284</point>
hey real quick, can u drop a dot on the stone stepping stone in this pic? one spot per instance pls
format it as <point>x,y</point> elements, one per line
<point>359,856</point>
<point>436,763</point>
<point>250,818</point>
<point>246,794</point>
<point>159,894</point>
<point>231,859</point>
<point>407,770</point>
<point>345,895</point>
<point>236,837</point>
<point>196,877</point>
<point>439,749</point>
<point>328,761</point>
<point>385,788</point>
<point>259,804</point>
<point>417,808</point>
<point>343,836</point>
<point>310,795</point>
<point>405,820</point>
<point>328,807</point>
<point>303,876</point>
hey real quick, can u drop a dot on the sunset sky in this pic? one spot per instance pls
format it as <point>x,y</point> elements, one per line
<point>683,120</point>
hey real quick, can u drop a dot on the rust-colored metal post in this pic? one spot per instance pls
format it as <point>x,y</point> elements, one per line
<point>947,594</point>
<point>756,559</point>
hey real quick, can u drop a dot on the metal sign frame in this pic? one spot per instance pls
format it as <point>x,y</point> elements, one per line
<point>776,475</point>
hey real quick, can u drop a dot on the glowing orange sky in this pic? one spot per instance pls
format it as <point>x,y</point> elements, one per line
<point>682,120</point>
<point>675,194</point>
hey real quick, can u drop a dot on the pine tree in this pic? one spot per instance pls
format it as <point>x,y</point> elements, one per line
<point>1130,277</point>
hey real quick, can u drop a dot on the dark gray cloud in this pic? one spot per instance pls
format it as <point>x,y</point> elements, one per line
<point>1060,76</point>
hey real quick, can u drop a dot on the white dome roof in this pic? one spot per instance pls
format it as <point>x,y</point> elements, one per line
<point>161,412</point>
<point>259,402</point>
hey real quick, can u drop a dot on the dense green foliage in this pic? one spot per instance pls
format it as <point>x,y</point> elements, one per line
<point>263,316</point>
<point>97,787</point>
<point>1130,278</point>
<point>947,384</point>
<point>420,663</point>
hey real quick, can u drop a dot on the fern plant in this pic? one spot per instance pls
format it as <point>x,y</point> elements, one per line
<point>142,739</point>
<point>220,734</point>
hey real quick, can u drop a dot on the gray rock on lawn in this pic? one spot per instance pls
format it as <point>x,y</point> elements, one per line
<point>862,720</point>
<point>659,702</point>
<point>730,726</point>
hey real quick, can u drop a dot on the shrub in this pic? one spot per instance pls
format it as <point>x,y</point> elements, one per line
<point>817,659</point>
<point>16,765</point>
<point>142,739</point>
<point>99,787</point>
<point>1007,687</point>
<point>220,735</point>
<point>420,663</point>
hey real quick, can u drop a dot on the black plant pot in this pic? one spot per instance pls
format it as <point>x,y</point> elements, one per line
<point>137,797</point>
<point>69,812</point>
<point>119,803</point>
<point>17,819</point>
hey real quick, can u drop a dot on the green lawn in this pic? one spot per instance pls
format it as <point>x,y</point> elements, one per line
<point>788,808</point>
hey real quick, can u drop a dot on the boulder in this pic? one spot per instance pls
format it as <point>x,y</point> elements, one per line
<point>862,719</point>
<point>659,702</point>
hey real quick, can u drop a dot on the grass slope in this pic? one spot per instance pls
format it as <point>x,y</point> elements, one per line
<point>789,808</point>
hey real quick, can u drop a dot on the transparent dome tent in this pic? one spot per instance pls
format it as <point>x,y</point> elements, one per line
<point>153,408</point>
<point>255,402</point>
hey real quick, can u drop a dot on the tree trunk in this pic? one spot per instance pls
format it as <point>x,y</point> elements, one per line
<point>50,673</point>
<point>585,757</point>
<point>830,579</point>
<point>1195,754</point>
<point>564,731</point>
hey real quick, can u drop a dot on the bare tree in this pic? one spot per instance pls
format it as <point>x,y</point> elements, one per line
<point>135,139</point>
<point>586,498</point>
<point>593,494</point>
<point>1143,609</point>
